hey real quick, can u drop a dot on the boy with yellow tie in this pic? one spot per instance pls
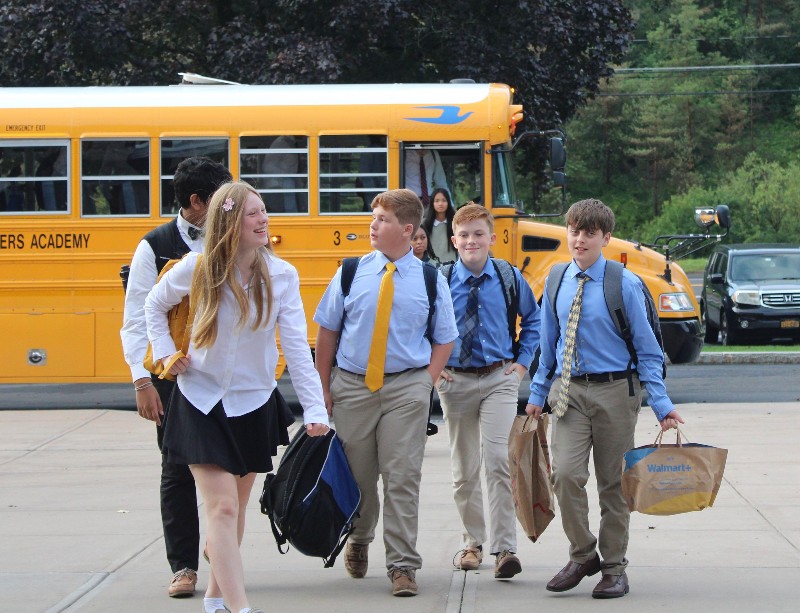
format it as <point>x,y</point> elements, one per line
<point>379,391</point>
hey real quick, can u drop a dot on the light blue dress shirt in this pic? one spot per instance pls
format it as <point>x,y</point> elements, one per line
<point>407,346</point>
<point>492,332</point>
<point>598,346</point>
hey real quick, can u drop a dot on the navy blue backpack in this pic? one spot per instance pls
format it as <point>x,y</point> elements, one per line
<point>312,499</point>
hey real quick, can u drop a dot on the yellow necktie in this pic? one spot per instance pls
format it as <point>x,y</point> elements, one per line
<point>380,333</point>
<point>569,347</point>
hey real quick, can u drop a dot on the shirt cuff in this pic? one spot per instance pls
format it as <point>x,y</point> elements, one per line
<point>316,414</point>
<point>139,372</point>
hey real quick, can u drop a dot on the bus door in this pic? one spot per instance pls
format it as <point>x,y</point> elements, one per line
<point>456,167</point>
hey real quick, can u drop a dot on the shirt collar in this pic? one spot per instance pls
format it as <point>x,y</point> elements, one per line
<point>462,273</point>
<point>403,264</point>
<point>595,272</point>
<point>185,225</point>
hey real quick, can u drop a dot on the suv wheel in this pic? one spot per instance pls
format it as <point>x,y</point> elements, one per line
<point>712,332</point>
<point>726,335</point>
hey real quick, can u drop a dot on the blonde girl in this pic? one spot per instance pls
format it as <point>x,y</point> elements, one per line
<point>227,417</point>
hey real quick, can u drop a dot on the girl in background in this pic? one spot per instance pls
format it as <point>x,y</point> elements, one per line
<point>438,224</point>
<point>227,417</point>
<point>422,247</point>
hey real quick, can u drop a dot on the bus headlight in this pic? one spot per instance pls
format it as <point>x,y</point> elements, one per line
<point>674,302</point>
<point>746,296</point>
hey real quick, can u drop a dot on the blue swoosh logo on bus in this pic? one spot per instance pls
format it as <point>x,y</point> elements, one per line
<point>449,115</point>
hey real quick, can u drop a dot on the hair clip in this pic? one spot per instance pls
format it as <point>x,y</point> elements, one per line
<point>228,204</point>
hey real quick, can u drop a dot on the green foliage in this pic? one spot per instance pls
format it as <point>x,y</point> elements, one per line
<point>655,144</point>
<point>762,197</point>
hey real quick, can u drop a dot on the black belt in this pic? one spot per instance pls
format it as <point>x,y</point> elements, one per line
<point>479,370</point>
<point>603,377</point>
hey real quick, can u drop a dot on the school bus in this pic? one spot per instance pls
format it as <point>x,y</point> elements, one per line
<point>86,172</point>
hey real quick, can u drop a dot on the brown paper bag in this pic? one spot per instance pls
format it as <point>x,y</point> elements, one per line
<point>661,479</point>
<point>529,464</point>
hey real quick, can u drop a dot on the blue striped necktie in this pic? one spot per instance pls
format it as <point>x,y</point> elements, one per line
<point>471,320</point>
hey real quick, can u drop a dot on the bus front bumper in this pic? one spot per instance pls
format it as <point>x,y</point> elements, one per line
<point>683,339</point>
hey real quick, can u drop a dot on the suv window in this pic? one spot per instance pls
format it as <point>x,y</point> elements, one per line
<point>765,266</point>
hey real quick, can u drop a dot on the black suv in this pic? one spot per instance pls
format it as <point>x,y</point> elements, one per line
<point>752,291</point>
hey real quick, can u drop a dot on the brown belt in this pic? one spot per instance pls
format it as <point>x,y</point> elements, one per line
<point>479,370</point>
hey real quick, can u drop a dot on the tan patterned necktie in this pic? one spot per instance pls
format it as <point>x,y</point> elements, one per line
<point>380,333</point>
<point>569,347</point>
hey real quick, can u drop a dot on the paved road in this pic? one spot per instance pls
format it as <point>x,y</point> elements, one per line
<point>700,383</point>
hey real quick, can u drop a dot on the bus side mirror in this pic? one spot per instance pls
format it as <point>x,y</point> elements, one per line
<point>706,218</point>
<point>558,155</point>
<point>723,216</point>
<point>558,160</point>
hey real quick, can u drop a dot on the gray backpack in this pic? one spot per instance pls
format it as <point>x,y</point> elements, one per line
<point>612,290</point>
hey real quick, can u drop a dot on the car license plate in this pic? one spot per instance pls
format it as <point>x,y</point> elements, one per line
<point>790,323</point>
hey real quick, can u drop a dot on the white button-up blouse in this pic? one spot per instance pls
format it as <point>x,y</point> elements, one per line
<point>239,368</point>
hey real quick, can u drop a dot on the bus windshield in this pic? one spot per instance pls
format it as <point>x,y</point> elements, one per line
<point>504,191</point>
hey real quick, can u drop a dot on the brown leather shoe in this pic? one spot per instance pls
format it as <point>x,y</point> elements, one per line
<point>356,559</point>
<point>611,586</point>
<point>571,575</point>
<point>403,581</point>
<point>183,584</point>
<point>506,565</point>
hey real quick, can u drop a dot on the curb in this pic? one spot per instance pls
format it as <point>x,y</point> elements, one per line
<point>750,357</point>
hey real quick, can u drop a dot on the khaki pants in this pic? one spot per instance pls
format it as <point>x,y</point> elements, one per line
<point>601,418</point>
<point>383,434</point>
<point>479,410</point>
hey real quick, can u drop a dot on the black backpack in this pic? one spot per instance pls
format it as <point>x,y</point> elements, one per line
<point>510,294</point>
<point>312,499</point>
<point>612,290</point>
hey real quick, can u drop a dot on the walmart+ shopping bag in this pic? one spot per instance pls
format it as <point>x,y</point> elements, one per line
<point>661,479</point>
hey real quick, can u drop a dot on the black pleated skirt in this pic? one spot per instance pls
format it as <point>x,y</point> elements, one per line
<point>240,445</point>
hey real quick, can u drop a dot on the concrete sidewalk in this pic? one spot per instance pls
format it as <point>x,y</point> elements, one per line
<point>80,530</point>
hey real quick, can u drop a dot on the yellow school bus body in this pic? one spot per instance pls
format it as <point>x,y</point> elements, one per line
<point>61,301</point>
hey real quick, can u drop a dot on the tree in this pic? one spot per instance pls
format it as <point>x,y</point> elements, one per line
<point>553,51</point>
<point>762,197</point>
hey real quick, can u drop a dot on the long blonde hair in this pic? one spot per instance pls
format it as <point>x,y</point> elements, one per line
<point>217,267</point>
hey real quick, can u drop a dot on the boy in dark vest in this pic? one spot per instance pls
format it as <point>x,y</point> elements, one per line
<point>595,409</point>
<point>195,180</point>
<point>480,387</point>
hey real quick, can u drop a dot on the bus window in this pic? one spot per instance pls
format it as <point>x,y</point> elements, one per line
<point>277,166</point>
<point>352,171</point>
<point>174,151</point>
<point>33,176</point>
<point>461,165</point>
<point>115,177</point>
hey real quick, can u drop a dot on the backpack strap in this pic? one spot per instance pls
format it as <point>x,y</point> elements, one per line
<point>612,292</point>
<point>431,275</point>
<point>349,267</point>
<point>552,285</point>
<point>511,296</point>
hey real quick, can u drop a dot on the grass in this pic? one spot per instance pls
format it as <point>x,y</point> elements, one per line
<point>692,265</point>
